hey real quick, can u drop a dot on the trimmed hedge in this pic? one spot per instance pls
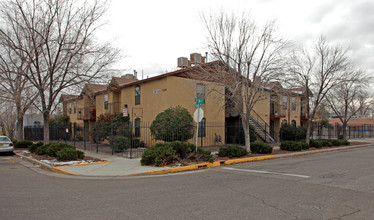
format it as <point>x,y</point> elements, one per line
<point>315,143</point>
<point>304,145</point>
<point>158,153</point>
<point>261,148</point>
<point>61,151</point>
<point>326,143</point>
<point>164,153</point>
<point>291,146</point>
<point>67,154</point>
<point>22,144</point>
<point>232,151</point>
<point>32,148</point>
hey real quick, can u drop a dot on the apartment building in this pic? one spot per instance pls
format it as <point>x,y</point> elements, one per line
<point>143,100</point>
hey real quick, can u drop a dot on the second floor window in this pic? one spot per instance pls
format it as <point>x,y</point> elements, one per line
<point>106,101</point>
<point>69,108</point>
<point>75,107</point>
<point>284,103</point>
<point>137,95</point>
<point>200,91</point>
<point>293,103</point>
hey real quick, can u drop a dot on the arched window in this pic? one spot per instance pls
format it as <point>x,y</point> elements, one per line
<point>137,127</point>
<point>293,123</point>
<point>202,128</point>
<point>284,122</point>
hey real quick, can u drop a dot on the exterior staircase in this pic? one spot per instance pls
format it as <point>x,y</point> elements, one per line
<point>262,129</point>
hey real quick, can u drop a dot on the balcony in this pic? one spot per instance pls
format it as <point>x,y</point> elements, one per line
<point>87,113</point>
<point>114,108</point>
<point>277,111</point>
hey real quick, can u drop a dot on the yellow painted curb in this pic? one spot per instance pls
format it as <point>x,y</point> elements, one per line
<point>249,159</point>
<point>84,164</point>
<point>55,169</point>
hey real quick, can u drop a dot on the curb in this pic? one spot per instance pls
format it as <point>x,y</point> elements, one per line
<point>194,166</point>
<point>57,169</point>
<point>242,160</point>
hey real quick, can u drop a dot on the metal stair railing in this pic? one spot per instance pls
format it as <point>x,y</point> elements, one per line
<point>262,125</point>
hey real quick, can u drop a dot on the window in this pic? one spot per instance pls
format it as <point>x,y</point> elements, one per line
<point>137,127</point>
<point>106,101</point>
<point>284,122</point>
<point>137,95</point>
<point>293,122</point>
<point>284,103</point>
<point>75,107</point>
<point>202,128</point>
<point>293,103</point>
<point>200,91</point>
<point>69,108</point>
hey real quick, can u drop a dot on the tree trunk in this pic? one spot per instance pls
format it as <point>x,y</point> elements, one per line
<point>344,130</point>
<point>19,127</point>
<point>308,130</point>
<point>46,128</point>
<point>247,137</point>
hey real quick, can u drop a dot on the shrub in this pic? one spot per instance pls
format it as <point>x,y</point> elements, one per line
<point>291,146</point>
<point>304,145</point>
<point>182,148</point>
<point>80,154</point>
<point>315,143</point>
<point>67,154</point>
<point>173,124</point>
<point>32,148</point>
<point>290,133</point>
<point>207,155</point>
<point>326,143</point>
<point>119,143</point>
<point>232,151</point>
<point>345,142</point>
<point>42,150</point>
<point>158,154</point>
<point>261,148</point>
<point>22,144</point>
<point>53,148</point>
<point>336,142</point>
<point>136,143</point>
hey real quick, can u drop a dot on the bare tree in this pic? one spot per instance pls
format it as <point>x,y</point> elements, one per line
<point>253,54</point>
<point>14,85</point>
<point>350,96</point>
<point>7,119</point>
<point>317,69</point>
<point>56,40</point>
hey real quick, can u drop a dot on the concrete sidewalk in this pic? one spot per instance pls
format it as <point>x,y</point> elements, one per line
<point>116,166</point>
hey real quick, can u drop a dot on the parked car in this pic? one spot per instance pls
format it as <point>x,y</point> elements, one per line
<point>6,145</point>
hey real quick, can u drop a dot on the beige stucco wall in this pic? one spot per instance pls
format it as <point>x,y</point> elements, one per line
<point>160,94</point>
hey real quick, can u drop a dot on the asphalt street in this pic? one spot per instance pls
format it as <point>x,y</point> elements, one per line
<point>334,185</point>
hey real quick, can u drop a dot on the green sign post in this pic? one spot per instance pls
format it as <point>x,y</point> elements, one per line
<point>198,117</point>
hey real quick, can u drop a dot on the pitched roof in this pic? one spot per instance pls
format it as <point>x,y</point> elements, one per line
<point>118,82</point>
<point>190,72</point>
<point>67,97</point>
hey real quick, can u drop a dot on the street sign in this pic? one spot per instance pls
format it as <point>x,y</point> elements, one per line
<point>199,103</point>
<point>125,112</point>
<point>198,115</point>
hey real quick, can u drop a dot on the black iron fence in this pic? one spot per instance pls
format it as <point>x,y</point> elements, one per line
<point>130,139</point>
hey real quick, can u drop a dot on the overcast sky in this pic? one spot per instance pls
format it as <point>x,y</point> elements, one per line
<point>153,34</point>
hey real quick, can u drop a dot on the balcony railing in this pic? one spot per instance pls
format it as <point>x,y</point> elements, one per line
<point>277,111</point>
<point>114,108</point>
<point>87,113</point>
